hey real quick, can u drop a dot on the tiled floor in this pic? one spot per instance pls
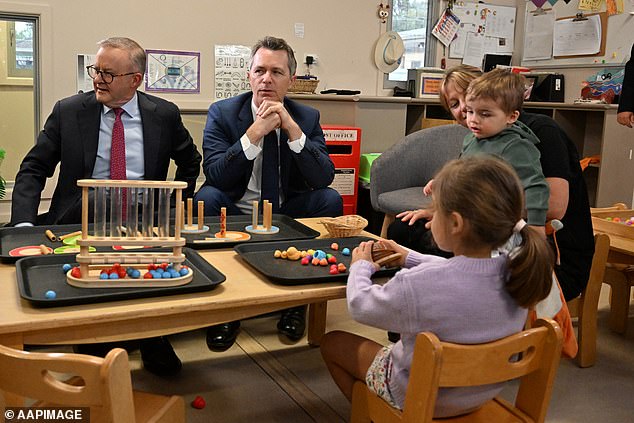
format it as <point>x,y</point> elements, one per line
<point>263,379</point>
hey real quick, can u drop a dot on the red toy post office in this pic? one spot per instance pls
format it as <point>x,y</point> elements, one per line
<point>344,147</point>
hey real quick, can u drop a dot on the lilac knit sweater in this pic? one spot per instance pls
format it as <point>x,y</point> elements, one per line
<point>460,299</point>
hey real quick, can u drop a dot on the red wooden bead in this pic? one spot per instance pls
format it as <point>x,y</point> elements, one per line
<point>75,272</point>
<point>198,402</point>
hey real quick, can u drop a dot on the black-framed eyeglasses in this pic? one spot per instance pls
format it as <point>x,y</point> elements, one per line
<point>106,77</point>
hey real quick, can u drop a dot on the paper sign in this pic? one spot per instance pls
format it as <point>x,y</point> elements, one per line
<point>232,62</point>
<point>173,71</point>
<point>590,4</point>
<point>446,28</point>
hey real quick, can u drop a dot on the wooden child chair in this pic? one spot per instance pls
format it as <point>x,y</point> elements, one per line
<point>439,364</point>
<point>103,384</point>
<point>585,306</point>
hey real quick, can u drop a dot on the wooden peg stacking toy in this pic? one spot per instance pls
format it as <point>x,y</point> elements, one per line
<point>267,227</point>
<point>223,234</point>
<point>91,263</point>
<point>199,227</point>
<point>223,222</point>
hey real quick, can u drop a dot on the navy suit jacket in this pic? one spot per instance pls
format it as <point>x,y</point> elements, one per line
<point>70,137</point>
<point>227,168</point>
<point>626,100</point>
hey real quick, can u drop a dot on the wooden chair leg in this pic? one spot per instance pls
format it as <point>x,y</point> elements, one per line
<point>588,304</point>
<point>316,322</point>
<point>587,334</point>
<point>387,221</point>
<point>619,299</point>
<point>359,412</point>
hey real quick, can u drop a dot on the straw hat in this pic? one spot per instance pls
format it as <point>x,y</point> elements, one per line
<point>388,52</point>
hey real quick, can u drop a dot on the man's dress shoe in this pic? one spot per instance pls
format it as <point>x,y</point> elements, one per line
<point>221,337</point>
<point>293,323</point>
<point>159,357</point>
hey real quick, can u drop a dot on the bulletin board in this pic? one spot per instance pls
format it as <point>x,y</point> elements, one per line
<point>615,46</point>
<point>572,21</point>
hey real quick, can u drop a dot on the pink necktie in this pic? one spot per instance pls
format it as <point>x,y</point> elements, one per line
<point>117,155</point>
<point>117,148</point>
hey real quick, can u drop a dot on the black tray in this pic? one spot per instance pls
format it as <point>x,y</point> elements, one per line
<point>290,229</point>
<point>11,237</point>
<point>289,272</point>
<point>38,274</point>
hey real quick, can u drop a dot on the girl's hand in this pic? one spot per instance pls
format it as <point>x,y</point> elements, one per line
<point>363,252</point>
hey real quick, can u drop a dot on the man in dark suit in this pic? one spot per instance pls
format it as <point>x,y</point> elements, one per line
<point>255,135</point>
<point>78,136</point>
<point>625,114</point>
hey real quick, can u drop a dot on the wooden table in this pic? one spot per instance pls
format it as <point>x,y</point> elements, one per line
<point>621,249</point>
<point>245,293</point>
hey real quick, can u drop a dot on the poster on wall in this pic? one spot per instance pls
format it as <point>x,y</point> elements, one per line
<point>84,81</point>
<point>173,71</point>
<point>495,23</point>
<point>231,65</point>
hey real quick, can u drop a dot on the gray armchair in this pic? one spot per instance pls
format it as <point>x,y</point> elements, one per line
<point>398,176</point>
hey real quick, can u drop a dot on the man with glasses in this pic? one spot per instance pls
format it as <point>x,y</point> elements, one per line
<point>262,145</point>
<point>80,136</point>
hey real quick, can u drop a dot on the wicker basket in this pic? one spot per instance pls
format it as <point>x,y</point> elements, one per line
<point>344,226</point>
<point>306,86</point>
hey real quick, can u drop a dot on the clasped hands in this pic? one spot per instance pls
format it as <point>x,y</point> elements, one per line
<point>270,116</point>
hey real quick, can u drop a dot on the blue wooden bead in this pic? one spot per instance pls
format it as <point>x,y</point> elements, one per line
<point>66,267</point>
<point>50,294</point>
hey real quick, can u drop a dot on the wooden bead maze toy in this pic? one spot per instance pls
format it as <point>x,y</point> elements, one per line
<point>134,198</point>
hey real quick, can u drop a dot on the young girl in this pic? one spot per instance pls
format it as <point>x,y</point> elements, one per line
<point>470,298</point>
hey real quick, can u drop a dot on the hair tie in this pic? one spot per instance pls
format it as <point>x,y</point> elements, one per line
<point>519,226</point>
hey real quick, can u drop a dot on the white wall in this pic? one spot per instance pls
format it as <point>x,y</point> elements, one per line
<point>340,33</point>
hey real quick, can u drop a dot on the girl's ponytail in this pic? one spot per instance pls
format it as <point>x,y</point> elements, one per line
<point>530,268</point>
